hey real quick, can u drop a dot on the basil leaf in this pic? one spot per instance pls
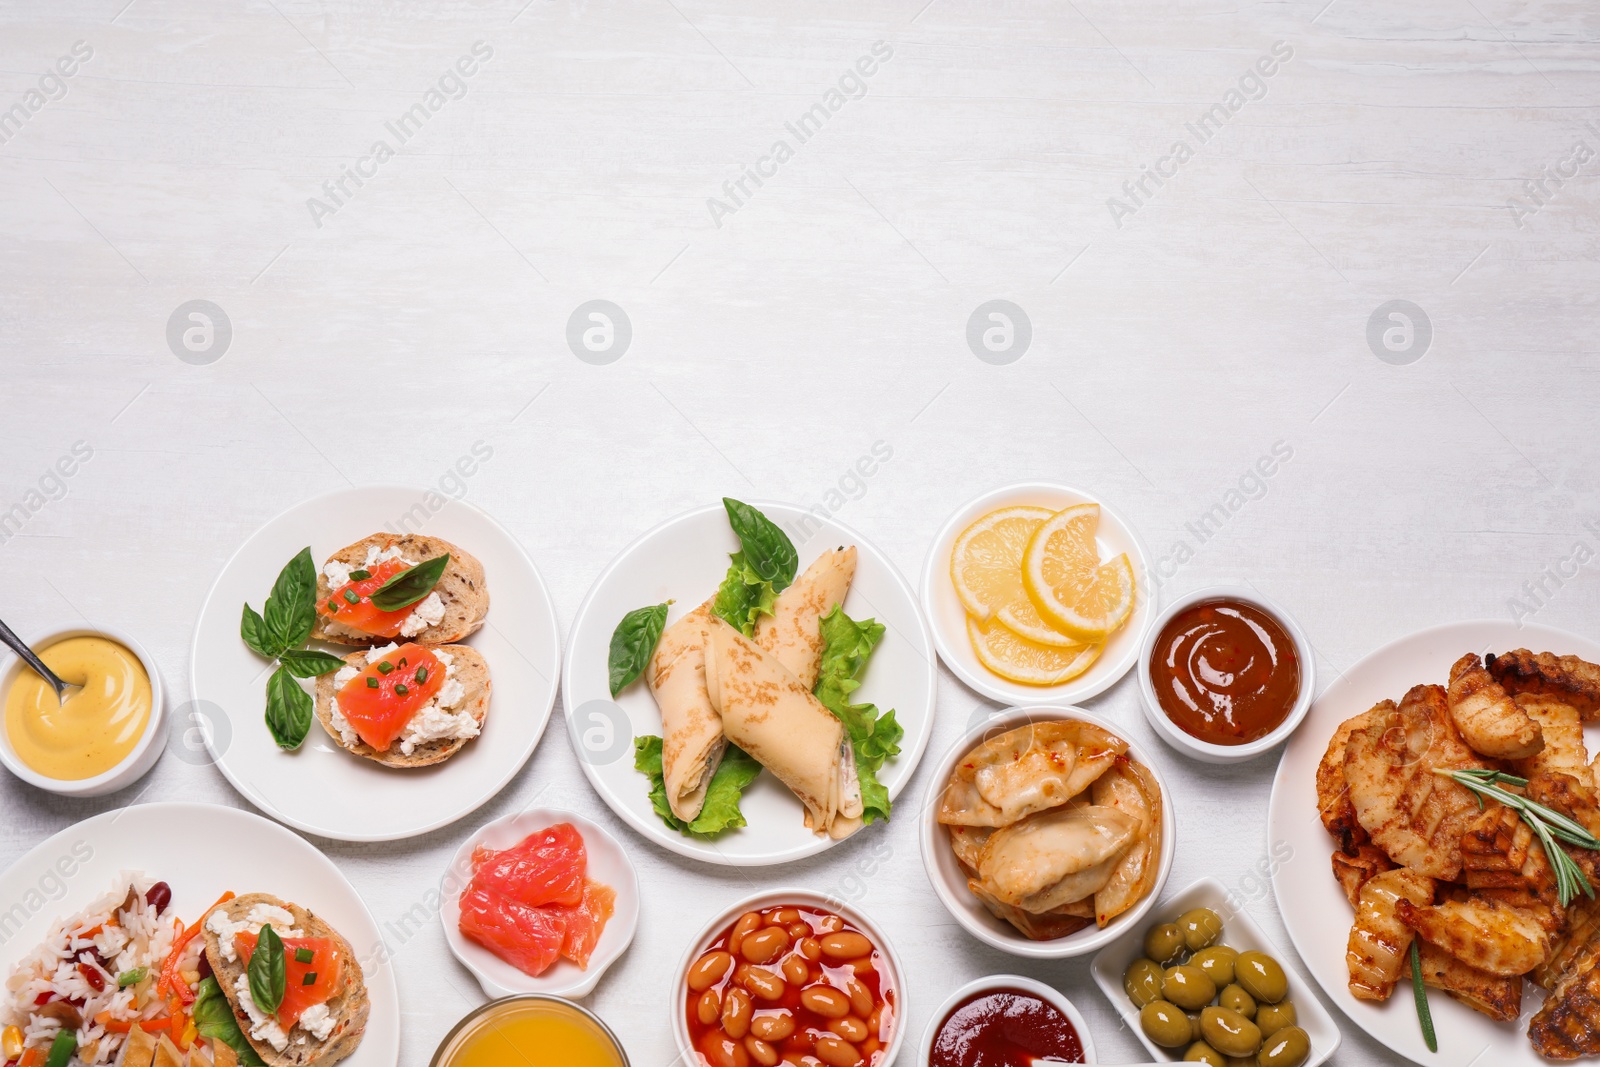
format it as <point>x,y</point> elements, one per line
<point>291,609</point>
<point>410,585</point>
<point>213,1017</point>
<point>633,642</point>
<point>308,662</point>
<point>767,549</point>
<point>268,971</point>
<point>253,628</point>
<point>288,709</point>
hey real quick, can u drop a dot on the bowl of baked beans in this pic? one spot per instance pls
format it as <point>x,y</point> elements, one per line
<point>789,977</point>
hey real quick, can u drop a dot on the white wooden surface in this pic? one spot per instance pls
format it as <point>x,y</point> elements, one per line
<point>828,312</point>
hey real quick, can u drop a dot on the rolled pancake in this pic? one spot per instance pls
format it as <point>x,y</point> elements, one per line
<point>768,713</point>
<point>691,731</point>
<point>793,632</point>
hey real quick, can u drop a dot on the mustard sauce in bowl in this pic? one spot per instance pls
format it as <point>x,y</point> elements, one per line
<point>97,727</point>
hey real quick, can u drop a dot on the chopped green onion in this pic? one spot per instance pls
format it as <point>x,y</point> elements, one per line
<point>1420,995</point>
<point>133,977</point>
<point>402,661</point>
<point>385,667</point>
<point>422,675</point>
<point>350,596</point>
<point>400,689</point>
<point>360,575</point>
<point>304,955</point>
<point>333,607</point>
<point>61,1050</point>
<point>311,976</point>
<point>372,683</point>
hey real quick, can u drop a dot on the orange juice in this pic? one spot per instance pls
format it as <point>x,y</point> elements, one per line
<point>530,1031</point>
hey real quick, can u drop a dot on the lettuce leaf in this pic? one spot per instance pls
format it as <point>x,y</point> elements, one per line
<point>721,811</point>
<point>214,1018</point>
<point>743,597</point>
<point>846,647</point>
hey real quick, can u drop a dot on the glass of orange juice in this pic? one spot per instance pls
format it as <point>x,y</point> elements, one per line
<point>531,1030</point>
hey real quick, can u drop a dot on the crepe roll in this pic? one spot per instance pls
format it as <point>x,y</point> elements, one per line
<point>769,713</point>
<point>691,731</point>
<point>793,632</point>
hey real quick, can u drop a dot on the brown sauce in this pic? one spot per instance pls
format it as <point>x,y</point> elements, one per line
<point>1225,672</point>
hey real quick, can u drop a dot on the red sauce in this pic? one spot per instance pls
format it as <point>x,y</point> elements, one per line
<point>1225,672</point>
<point>1004,1028</point>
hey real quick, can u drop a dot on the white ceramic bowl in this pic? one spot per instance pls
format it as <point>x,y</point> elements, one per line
<point>1239,931</point>
<point>689,1056</point>
<point>948,617</point>
<point>1204,750</point>
<point>608,863</point>
<point>950,883</point>
<point>135,764</point>
<point>1007,981</point>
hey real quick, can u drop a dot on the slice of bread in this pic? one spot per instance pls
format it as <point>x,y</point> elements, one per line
<point>349,1006</point>
<point>471,670</point>
<point>461,587</point>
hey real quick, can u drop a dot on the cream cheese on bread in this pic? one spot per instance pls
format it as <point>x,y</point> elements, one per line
<point>434,721</point>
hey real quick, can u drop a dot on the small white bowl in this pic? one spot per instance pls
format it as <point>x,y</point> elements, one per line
<point>948,617</point>
<point>1205,751</point>
<point>136,764</point>
<point>689,1055</point>
<point>1239,931</point>
<point>950,882</point>
<point>995,982</point>
<point>608,864</point>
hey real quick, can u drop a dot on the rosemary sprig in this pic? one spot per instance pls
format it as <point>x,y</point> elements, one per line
<point>1420,995</point>
<point>1546,823</point>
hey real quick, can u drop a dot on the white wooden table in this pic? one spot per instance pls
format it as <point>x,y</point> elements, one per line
<point>778,330</point>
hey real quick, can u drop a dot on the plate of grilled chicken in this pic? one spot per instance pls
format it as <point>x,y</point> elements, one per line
<point>1440,806</point>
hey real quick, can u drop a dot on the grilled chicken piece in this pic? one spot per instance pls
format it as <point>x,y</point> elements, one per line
<point>1568,1026</point>
<point>1414,815</point>
<point>1379,941</point>
<point>1333,795</point>
<point>1355,871</point>
<point>1578,942</point>
<point>1562,729</point>
<point>1481,933</point>
<point>1489,720</point>
<point>1494,995</point>
<point>1573,796</point>
<point>1503,862</point>
<point>1568,679</point>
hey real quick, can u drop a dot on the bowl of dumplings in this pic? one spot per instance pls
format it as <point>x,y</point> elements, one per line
<point>1047,833</point>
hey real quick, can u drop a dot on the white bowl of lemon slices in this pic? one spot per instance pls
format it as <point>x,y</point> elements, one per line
<point>1038,593</point>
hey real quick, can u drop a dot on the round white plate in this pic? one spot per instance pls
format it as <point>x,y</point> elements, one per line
<point>201,851</point>
<point>949,618</point>
<point>608,865</point>
<point>684,560</point>
<point>1314,908</point>
<point>321,788</point>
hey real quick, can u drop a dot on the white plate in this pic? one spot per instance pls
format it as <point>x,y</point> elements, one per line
<point>608,864</point>
<point>201,851</point>
<point>1240,932</point>
<point>1314,908</point>
<point>684,560</point>
<point>949,618</point>
<point>321,788</point>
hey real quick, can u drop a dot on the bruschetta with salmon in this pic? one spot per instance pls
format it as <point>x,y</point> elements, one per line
<point>409,587</point>
<point>405,705</point>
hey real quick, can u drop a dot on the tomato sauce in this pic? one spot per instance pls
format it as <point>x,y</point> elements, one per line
<point>1005,1028</point>
<point>1225,672</point>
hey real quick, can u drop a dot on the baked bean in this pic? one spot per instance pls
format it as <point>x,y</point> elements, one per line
<point>708,970</point>
<point>850,1028</point>
<point>870,1046</point>
<point>795,970</point>
<point>710,1007</point>
<point>837,1051</point>
<point>830,923</point>
<point>722,1051</point>
<point>764,984</point>
<point>826,1002</point>
<point>737,1009</point>
<point>861,966</point>
<point>810,948</point>
<point>875,1021</point>
<point>843,946</point>
<point>785,916</point>
<point>801,1059</point>
<point>797,930</point>
<point>765,944</point>
<point>860,997</point>
<point>748,922</point>
<point>772,1026</point>
<point>760,1051</point>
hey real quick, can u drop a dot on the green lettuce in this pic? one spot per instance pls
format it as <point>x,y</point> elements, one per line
<point>214,1018</point>
<point>721,811</point>
<point>846,647</point>
<point>743,597</point>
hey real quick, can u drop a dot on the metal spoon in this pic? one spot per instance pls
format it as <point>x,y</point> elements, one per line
<point>20,647</point>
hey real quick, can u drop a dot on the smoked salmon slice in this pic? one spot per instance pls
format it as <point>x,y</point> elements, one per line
<point>530,939</point>
<point>545,868</point>
<point>381,700</point>
<point>351,604</point>
<point>587,922</point>
<point>313,966</point>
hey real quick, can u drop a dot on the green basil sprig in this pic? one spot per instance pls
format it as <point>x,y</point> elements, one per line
<point>289,709</point>
<point>410,585</point>
<point>278,632</point>
<point>633,642</point>
<point>767,549</point>
<point>268,971</point>
<point>308,662</point>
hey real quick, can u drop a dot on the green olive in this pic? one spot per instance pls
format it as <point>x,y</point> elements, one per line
<point>1142,982</point>
<point>1188,987</point>
<point>1164,1024</point>
<point>1200,928</point>
<point>1163,943</point>
<point>1234,998</point>
<point>1194,1025</point>
<point>1200,1052</point>
<point>1217,962</point>
<point>1229,1032</point>
<point>1286,1048</point>
<point>1240,1061</point>
<point>1261,977</point>
<point>1274,1017</point>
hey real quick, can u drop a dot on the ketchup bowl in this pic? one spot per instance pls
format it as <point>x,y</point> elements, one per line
<point>1240,607</point>
<point>973,1034</point>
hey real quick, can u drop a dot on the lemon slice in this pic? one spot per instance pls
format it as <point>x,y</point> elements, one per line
<point>1024,620</point>
<point>1071,589</point>
<point>986,560</point>
<point>1019,660</point>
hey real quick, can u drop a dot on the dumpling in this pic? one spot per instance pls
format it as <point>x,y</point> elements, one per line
<point>1132,789</point>
<point>1055,858</point>
<point>1030,769</point>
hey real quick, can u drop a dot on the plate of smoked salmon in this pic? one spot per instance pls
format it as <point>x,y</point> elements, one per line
<point>373,664</point>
